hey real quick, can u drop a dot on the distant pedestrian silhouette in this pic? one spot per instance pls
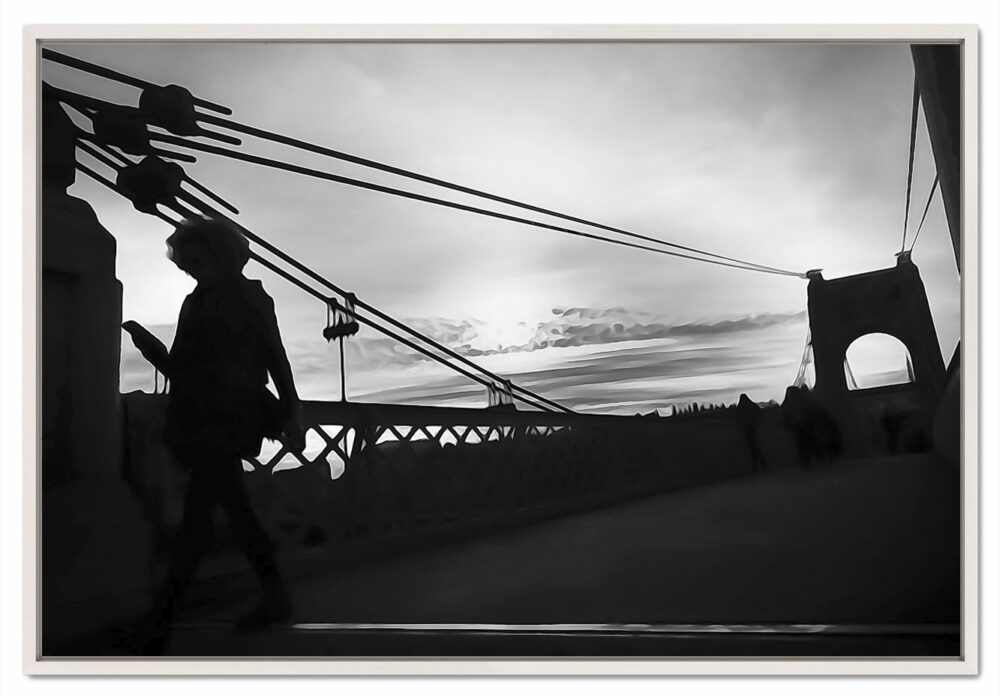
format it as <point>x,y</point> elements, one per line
<point>227,343</point>
<point>748,414</point>
<point>816,434</point>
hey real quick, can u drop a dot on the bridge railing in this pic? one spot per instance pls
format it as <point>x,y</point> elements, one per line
<point>338,432</point>
<point>373,470</point>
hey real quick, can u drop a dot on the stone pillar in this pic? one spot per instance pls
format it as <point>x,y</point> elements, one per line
<point>95,543</point>
<point>81,318</point>
<point>81,344</point>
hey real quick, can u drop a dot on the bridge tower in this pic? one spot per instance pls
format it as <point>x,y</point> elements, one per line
<point>890,301</point>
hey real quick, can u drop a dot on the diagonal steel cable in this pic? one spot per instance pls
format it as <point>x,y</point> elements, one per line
<point>490,378</point>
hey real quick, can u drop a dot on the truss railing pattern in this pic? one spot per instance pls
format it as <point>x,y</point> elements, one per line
<point>374,470</point>
<point>371,470</point>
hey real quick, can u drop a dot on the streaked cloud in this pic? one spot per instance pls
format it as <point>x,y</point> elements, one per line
<point>593,359</point>
<point>784,154</point>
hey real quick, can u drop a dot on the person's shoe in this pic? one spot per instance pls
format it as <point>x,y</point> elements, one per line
<point>272,610</point>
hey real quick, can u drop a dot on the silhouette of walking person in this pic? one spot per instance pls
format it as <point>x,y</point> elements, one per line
<point>227,343</point>
<point>816,434</point>
<point>748,414</point>
<point>796,417</point>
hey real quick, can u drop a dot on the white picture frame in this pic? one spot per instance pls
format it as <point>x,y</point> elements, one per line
<point>966,35</point>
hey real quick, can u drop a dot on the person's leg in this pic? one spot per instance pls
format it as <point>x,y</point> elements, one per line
<point>186,550</point>
<point>252,540</point>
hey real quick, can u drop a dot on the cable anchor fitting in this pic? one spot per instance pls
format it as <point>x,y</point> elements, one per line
<point>340,321</point>
<point>171,108</point>
<point>150,182</point>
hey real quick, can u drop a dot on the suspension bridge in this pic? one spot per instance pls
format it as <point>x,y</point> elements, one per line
<point>377,480</point>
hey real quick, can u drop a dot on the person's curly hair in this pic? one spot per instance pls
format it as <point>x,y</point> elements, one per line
<point>220,238</point>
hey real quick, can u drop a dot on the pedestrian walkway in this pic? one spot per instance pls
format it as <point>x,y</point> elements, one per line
<point>871,544</point>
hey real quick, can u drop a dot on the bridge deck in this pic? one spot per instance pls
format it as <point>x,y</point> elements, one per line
<point>868,543</point>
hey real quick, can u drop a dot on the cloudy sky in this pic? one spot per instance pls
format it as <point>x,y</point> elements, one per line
<point>787,155</point>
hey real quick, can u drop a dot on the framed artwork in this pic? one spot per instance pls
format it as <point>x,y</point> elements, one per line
<point>502,350</point>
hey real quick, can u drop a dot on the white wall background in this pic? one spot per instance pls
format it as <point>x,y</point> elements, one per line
<point>14,14</point>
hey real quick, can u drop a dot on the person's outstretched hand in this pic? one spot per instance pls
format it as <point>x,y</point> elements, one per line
<point>150,346</point>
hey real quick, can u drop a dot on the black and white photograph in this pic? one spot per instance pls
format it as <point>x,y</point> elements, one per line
<point>500,349</point>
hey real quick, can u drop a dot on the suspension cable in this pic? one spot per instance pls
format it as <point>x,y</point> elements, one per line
<point>108,73</point>
<point>315,173</point>
<point>354,159</point>
<point>103,150</point>
<point>368,322</point>
<point>706,257</point>
<point>358,302</point>
<point>909,167</point>
<point>526,395</point>
<point>923,217</point>
<point>90,106</point>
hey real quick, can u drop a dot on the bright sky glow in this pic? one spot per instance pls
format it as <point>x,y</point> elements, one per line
<point>787,155</point>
